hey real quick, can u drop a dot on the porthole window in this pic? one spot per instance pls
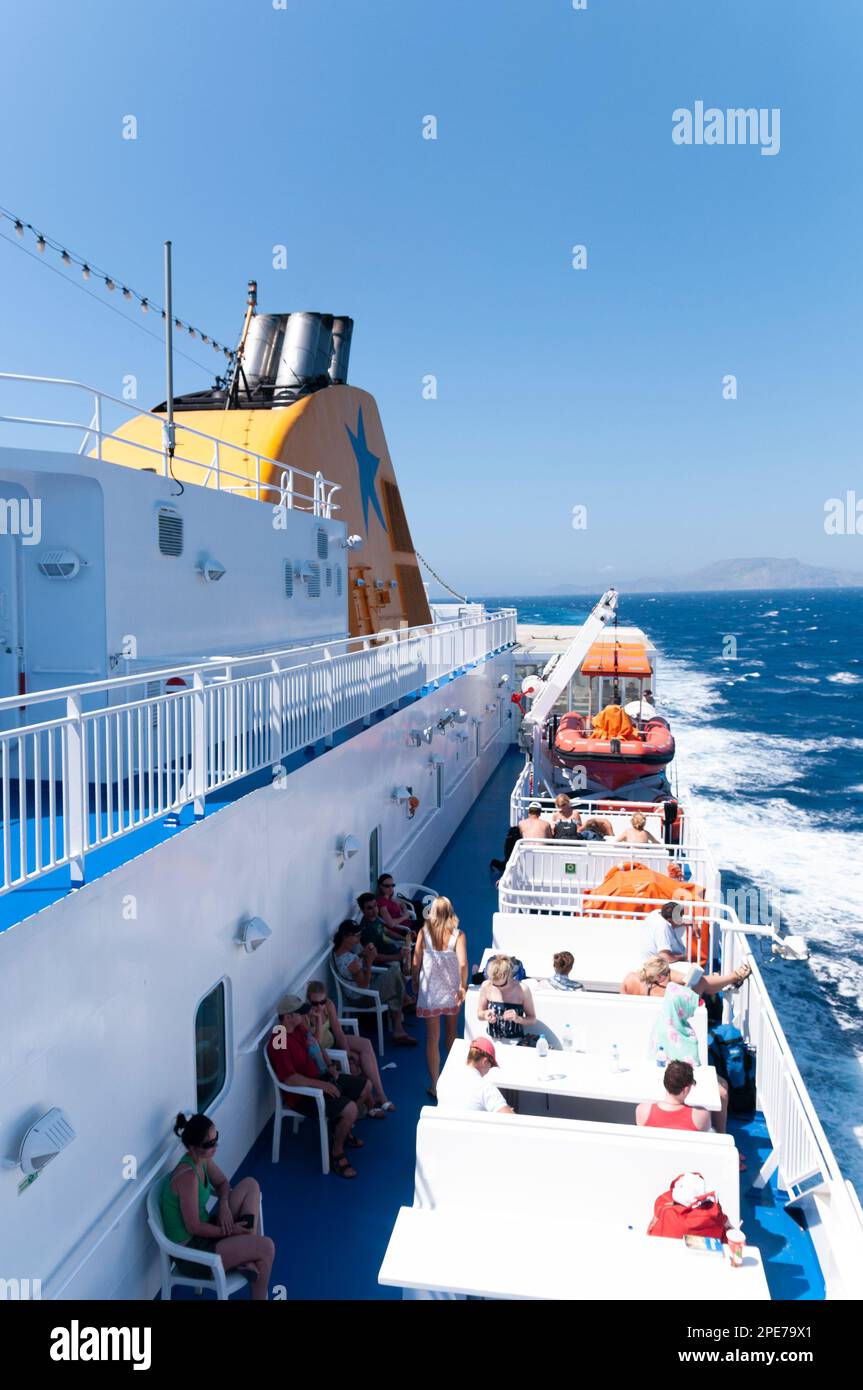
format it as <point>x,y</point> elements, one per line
<point>211,1054</point>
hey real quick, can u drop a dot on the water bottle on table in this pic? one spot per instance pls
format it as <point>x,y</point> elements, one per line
<point>660,1057</point>
<point>542,1046</point>
<point>568,1042</point>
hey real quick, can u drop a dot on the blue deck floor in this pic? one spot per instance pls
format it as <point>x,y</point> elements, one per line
<point>331,1235</point>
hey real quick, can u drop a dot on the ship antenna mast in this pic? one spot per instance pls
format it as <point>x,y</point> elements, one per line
<point>234,389</point>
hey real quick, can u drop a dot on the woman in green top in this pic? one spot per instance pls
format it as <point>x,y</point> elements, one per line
<point>232,1230</point>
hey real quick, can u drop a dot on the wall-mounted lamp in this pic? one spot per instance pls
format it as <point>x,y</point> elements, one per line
<point>346,847</point>
<point>351,542</point>
<point>211,571</point>
<point>504,680</point>
<point>400,794</point>
<point>421,736</point>
<point>436,760</point>
<point>252,934</point>
<point>44,1140</point>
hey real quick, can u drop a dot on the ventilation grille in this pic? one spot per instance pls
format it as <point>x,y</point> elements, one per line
<point>289,579</point>
<point>339,580</point>
<point>413,594</point>
<point>400,536</point>
<point>328,576</point>
<point>170,532</point>
<point>323,544</point>
<point>314,581</point>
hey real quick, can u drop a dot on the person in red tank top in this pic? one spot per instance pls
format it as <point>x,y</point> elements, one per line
<point>673,1112</point>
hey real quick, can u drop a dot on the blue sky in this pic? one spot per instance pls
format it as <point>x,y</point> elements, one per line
<point>556,387</point>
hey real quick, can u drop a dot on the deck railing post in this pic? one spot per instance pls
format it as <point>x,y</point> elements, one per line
<point>329,703</point>
<point>199,744</point>
<point>97,420</point>
<point>75,807</point>
<point>275,713</point>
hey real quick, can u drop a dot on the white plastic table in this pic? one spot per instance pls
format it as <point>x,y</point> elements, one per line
<point>444,1251</point>
<point>586,1075</point>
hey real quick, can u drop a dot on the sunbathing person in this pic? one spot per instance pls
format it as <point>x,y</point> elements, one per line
<point>390,948</point>
<point>297,1060</point>
<point>635,833</point>
<point>396,916</point>
<point>505,1006</point>
<point>655,975</point>
<point>354,967</point>
<point>673,1112</point>
<point>230,1230</point>
<point>534,827</point>
<point>327,1031</point>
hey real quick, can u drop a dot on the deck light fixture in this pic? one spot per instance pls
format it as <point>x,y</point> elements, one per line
<point>401,794</point>
<point>504,680</point>
<point>346,847</point>
<point>252,934</point>
<point>436,760</point>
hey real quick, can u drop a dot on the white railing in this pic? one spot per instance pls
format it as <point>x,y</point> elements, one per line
<point>554,876</point>
<point>608,808</point>
<point>117,756</point>
<point>294,489</point>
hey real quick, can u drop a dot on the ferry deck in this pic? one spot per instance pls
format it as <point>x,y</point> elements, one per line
<point>331,1235</point>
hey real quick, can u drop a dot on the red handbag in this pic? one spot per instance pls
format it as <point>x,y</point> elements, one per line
<point>704,1217</point>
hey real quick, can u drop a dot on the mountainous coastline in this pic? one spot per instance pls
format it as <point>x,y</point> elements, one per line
<point>760,573</point>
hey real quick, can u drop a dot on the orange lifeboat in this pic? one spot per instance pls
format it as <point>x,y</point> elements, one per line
<point>619,758</point>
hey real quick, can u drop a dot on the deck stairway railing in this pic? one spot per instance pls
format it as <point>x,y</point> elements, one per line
<point>218,468</point>
<point>101,760</point>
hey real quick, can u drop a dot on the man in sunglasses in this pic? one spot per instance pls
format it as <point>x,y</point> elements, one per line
<point>374,932</point>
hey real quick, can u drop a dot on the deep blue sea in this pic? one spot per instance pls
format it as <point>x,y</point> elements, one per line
<point>771,744</point>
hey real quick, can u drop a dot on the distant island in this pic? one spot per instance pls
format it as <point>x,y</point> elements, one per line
<point>762,573</point>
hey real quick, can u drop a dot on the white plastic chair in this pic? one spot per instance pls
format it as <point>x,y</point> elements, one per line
<point>224,1282</point>
<point>283,1111</point>
<point>407,892</point>
<point>344,1006</point>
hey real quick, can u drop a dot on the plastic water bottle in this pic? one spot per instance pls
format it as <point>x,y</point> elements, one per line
<point>542,1046</point>
<point>660,1057</point>
<point>615,1057</point>
<point>567,1038</point>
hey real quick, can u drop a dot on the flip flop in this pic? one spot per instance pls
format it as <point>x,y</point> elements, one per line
<point>387,1105</point>
<point>377,1112</point>
<point>742,972</point>
<point>340,1167</point>
<point>352,1142</point>
<point>404,1042</point>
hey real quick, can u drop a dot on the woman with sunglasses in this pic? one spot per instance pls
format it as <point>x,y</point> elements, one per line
<point>328,1033</point>
<point>231,1231</point>
<point>394,914</point>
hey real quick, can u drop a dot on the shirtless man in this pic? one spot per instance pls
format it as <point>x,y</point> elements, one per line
<point>533,827</point>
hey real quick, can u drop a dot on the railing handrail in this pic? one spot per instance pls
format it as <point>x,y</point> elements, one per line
<point>135,411</point>
<point>105,771</point>
<point>215,663</point>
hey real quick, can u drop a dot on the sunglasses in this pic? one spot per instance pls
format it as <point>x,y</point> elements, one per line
<point>388,885</point>
<point>210,1143</point>
<point>317,1003</point>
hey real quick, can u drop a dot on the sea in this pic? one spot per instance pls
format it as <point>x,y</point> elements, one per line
<point>764,694</point>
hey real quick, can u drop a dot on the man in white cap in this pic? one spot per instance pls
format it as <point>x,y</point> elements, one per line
<point>533,827</point>
<point>469,1087</point>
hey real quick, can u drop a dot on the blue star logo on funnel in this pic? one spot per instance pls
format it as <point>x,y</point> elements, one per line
<point>367,467</point>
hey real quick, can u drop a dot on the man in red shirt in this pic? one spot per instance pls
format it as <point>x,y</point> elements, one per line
<point>298,1061</point>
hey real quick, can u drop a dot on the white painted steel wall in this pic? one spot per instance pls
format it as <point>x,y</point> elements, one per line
<point>97,1010</point>
<point>109,515</point>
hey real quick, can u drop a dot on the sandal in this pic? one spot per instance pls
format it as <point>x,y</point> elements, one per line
<point>431,1092</point>
<point>352,1142</point>
<point>340,1166</point>
<point>404,1041</point>
<point>376,1113</point>
<point>742,973</point>
<point>387,1105</point>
